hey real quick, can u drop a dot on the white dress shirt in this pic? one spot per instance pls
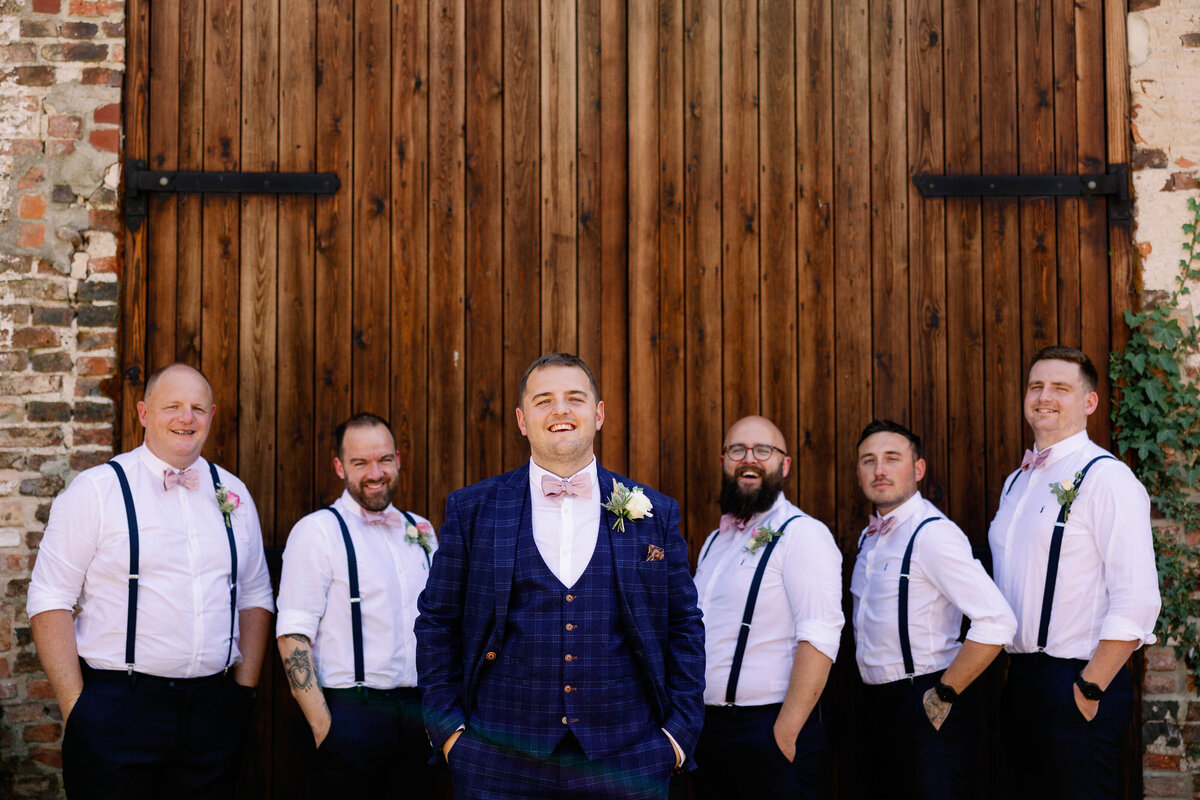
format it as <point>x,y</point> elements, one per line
<point>945,582</point>
<point>799,600</point>
<point>565,527</point>
<point>1107,585</point>
<point>183,588</point>
<point>314,595</point>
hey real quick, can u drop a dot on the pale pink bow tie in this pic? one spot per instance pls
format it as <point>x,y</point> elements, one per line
<point>188,479</point>
<point>1034,460</point>
<point>577,486</point>
<point>393,518</point>
<point>731,524</point>
<point>880,525</point>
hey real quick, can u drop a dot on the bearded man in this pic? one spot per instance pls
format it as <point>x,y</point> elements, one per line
<point>352,573</point>
<point>770,586</point>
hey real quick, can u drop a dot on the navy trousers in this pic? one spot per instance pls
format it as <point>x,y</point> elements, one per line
<point>488,770</point>
<point>737,756</point>
<point>1057,753</point>
<point>913,760</point>
<point>144,736</point>
<point>376,746</point>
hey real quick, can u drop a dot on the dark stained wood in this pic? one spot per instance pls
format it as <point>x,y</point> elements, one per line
<point>1066,157</point>
<point>589,251</point>
<point>189,223</point>
<point>1123,292</point>
<point>559,196</point>
<point>642,409</point>
<point>134,312</point>
<point>163,237</point>
<point>740,287</point>
<point>486,414</point>
<point>221,245</point>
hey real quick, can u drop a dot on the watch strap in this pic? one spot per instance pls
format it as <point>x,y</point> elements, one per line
<point>1089,690</point>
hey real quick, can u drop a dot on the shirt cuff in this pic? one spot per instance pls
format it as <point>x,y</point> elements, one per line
<point>679,756</point>
<point>296,622</point>
<point>1119,629</point>
<point>822,637</point>
<point>990,633</point>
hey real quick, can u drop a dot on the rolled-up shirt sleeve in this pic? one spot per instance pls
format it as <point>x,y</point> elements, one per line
<point>812,578</point>
<point>305,580</point>
<point>947,562</point>
<point>67,548</point>
<point>254,581</point>
<point>1117,511</point>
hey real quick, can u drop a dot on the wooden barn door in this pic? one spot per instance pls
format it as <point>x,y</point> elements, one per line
<point>712,202</point>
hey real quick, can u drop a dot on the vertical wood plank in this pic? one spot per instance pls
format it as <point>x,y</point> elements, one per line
<point>891,265</point>
<point>642,410</point>
<point>258,319</point>
<point>852,235</point>
<point>559,196</point>
<point>777,156</point>
<point>927,242</point>
<point>221,244</point>
<point>163,236</point>
<point>815,460</point>
<point>334,220</point>
<point>1094,278</point>
<point>589,284</point>
<point>702,260</point>
<point>614,233</point>
<point>410,251</point>
<point>1118,141</point>
<point>371,320</point>
<point>739,201</point>
<point>1066,159</point>
<point>134,312</point>
<point>676,447</point>
<point>486,415</point>
<point>966,484</point>
<point>522,214</point>
<point>447,408</point>
<point>1035,88</point>
<point>190,257</point>
<point>1004,369</point>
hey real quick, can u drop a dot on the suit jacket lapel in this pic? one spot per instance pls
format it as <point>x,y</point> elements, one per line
<point>514,516</point>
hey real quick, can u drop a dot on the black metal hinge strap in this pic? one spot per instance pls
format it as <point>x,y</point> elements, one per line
<point>1115,184</point>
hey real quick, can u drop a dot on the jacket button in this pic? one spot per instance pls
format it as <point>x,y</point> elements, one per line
<point>569,657</point>
<point>570,598</point>
<point>571,626</point>
<point>568,688</point>
<point>564,720</point>
<point>491,656</point>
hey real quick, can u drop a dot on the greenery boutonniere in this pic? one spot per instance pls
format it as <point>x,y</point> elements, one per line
<point>761,537</point>
<point>422,534</point>
<point>227,501</point>
<point>1065,491</point>
<point>626,503</point>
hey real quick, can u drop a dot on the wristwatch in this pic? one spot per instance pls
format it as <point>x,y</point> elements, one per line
<point>945,693</point>
<point>1089,690</point>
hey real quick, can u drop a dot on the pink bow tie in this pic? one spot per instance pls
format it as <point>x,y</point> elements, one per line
<point>880,525</point>
<point>188,479</point>
<point>391,518</point>
<point>1032,460</point>
<point>731,524</point>
<point>576,486</point>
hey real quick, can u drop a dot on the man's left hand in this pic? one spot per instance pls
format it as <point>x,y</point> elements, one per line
<point>935,708</point>
<point>785,740</point>
<point>1088,708</point>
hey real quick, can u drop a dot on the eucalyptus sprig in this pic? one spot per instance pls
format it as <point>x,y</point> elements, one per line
<point>1156,419</point>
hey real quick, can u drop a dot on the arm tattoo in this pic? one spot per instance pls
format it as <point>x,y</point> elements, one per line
<point>299,669</point>
<point>299,637</point>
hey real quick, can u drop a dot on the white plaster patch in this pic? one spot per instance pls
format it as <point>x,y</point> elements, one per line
<point>10,537</point>
<point>101,244</point>
<point>1137,32</point>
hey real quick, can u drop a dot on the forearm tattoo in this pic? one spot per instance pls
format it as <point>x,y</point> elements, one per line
<point>299,669</point>
<point>299,637</point>
<point>935,709</point>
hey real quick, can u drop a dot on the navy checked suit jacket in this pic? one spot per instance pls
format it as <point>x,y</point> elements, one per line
<point>465,603</point>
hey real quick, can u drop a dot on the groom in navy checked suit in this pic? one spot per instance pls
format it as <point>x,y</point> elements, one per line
<point>559,648</point>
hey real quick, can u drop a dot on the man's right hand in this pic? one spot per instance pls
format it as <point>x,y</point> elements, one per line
<point>68,707</point>
<point>321,730</point>
<point>450,743</point>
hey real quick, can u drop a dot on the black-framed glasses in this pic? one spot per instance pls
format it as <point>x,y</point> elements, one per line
<point>762,452</point>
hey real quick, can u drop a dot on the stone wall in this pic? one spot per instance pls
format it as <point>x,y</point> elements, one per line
<point>1164,54</point>
<point>61,65</point>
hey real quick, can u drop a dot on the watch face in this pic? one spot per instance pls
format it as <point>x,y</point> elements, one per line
<point>1089,690</point>
<point>946,694</point>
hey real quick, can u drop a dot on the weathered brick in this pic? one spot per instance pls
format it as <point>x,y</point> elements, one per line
<point>1159,761</point>
<point>62,193</point>
<point>13,436</point>
<point>38,29</point>
<point>30,384</point>
<point>1166,785</point>
<point>17,587</point>
<point>96,339</point>
<point>60,147</point>
<point>44,486</point>
<point>32,179</point>
<point>95,412</point>
<point>1190,39</point>
<point>58,361</point>
<point>1193,711</point>
<point>113,30</point>
<point>1161,683</point>
<point>16,314</point>
<point>1191,733</point>
<point>64,126</point>
<point>17,53</point>
<point>102,266</point>
<point>35,76</point>
<point>36,337</point>
<point>35,289</point>
<point>47,6</point>
<point>98,291</point>
<point>95,365</point>
<point>31,206</point>
<point>41,411</point>
<point>33,539</point>
<point>107,115</point>
<point>102,76</point>
<point>58,316</point>
<point>43,732</point>
<point>107,139</point>
<point>27,712</point>
<point>42,690</point>
<point>100,437</point>
<point>50,756</point>
<point>82,460</point>
<point>91,316</point>
<point>91,387</point>
<point>21,147</point>
<point>31,235</point>
<point>8,690</point>
<point>104,220</point>
<point>78,30</point>
<point>5,672</point>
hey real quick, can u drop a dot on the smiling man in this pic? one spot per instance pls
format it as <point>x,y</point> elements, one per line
<point>914,579</point>
<point>559,646</point>
<point>1074,555</point>
<point>150,607</point>
<point>770,586</point>
<point>353,670</point>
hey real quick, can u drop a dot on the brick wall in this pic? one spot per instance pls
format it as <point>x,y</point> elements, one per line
<point>61,63</point>
<point>1164,50</point>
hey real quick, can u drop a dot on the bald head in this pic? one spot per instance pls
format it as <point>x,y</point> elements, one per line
<point>177,414</point>
<point>755,430</point>
<point>176,370</point>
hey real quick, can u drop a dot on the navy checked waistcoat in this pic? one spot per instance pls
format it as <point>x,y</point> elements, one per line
<point>565,663</point>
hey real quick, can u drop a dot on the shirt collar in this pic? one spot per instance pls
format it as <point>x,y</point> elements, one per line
<point>1069,445</point>
<point>157,466</point>
<point>352,507</point>
<point>757,520</point>
<point>536,473</point>
<point>905,510</point>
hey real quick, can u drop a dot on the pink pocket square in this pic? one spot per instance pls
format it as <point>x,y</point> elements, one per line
<point>655,553</point>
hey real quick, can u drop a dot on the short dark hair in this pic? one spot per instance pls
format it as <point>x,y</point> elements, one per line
<point>363,419</point>
<point>1058,352</point>
<point>557,360</point>
<point>890,426</point>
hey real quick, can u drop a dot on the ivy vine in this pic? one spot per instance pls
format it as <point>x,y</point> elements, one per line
<point>1156,419</point>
